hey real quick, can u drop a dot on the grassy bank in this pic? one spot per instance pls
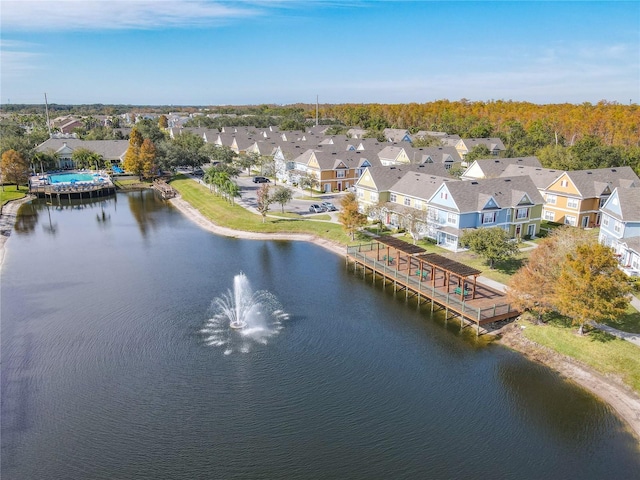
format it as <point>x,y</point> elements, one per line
<point>9,192</point>
<point>131,183</point>
<point>602,352</point>
<point>236,217</point>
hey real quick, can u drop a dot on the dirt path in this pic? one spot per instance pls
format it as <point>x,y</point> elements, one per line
<point>624,401</point>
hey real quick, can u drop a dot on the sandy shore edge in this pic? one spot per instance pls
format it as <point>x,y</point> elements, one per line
<point>620,397</point>
<point>624,401</point>
<point>8,220</point>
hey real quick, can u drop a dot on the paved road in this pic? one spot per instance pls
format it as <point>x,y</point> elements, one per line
<point>299,204</point>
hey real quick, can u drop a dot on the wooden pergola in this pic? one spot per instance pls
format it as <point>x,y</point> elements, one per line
<point>428,264</point>
<point>450,268</point>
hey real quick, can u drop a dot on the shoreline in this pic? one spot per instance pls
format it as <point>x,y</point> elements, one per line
<point>624,402</point>
<point>8,215</point>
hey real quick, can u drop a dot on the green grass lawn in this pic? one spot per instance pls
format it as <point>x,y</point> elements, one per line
<point>599,350</point>
<point>9,192</point>
<point>629,322</point>
<point>236,217</point>
<point>126,183</point>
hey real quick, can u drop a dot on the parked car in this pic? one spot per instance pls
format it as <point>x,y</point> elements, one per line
<point>261,180</point>
<point>315,208</point>
<point>198,172</point>
<point>328,206</point>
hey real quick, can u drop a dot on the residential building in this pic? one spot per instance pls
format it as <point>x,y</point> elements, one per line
<point>111,150</point>
<point>513,204</point>
<point>575,197</point>
<point>620,227</point>
<point>495,167</point>
<point>465,145</point>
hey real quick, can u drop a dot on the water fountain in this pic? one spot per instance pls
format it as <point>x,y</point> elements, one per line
<point>243,316</point>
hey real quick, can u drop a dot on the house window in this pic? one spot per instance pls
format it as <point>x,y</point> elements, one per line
<point>374,196</point>
<point>617,227</point>
<point>551,199</point>
<point>452,218</point>
<point>340,174</point>
<point>407,201</point>
<point>444,195</point>
<point>417,204</point>
<point>393,197</point>
<point>603,200</point>
<point>572,203</point>
<point>549,215</point>
<point>361,195</point>
<point>522,213</point>
<point>605,221</point>
<point>564,183</point>
<point>570,220</point>
<point>488,217</point>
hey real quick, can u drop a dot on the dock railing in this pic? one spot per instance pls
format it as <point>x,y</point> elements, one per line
<point>357,252</point>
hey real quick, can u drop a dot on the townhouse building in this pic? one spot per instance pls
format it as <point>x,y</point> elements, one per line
<point>513,204</point>
<point>620,227</point>
<point>575,197</point>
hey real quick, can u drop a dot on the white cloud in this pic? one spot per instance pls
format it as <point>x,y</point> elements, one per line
<point>65,15</point>
<point>16,58</point>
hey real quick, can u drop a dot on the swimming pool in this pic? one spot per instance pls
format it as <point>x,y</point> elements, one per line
<point>72,178</point>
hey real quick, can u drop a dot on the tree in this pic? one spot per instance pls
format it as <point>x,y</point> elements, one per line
<point>349,216</point>
<point>493,244</point>
<point>590,286</point>
<point>282,195</point>
<point>532,286</point>
<point>14,167</point>
<point>162,121</point>
<point>247,161</point>
<point>83,158</point>
<point>425,141</point>
<point>44,160</point>
<point>217,153</point>
<point>264,200</point>
<point>479,151</point>
<point>148,159</point>
<point>414,221</point>
<point>132,161</point>
<point>309,181</point>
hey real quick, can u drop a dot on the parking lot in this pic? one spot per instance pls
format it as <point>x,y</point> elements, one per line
<point>300,203</point>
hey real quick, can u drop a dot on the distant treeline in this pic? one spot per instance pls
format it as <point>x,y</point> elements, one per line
<point>613,123</point>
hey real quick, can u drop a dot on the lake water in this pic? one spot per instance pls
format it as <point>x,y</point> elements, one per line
<point>106,373</point>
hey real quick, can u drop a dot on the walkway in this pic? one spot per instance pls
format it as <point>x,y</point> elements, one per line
<point>630,337</point>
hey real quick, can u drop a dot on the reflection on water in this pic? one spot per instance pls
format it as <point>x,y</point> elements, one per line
<point>105,373</point>
<point>546,401</point>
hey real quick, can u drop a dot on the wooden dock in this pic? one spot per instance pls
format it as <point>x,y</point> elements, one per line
<point>445,283</point>
<point>69,192</point>
<point>164,189</point>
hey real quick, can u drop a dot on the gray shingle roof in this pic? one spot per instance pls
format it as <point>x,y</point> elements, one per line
<point>109,149</point>
<point>542,177</point>
<point>419,185</point>
<point>494,167</point>
<point>472,196</point>
<point>592,183</point>
<point>629,200</point>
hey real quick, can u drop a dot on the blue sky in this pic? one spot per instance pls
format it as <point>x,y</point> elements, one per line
<point>204,52</point>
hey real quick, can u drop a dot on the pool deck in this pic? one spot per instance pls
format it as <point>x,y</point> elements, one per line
<point>100,185</point>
